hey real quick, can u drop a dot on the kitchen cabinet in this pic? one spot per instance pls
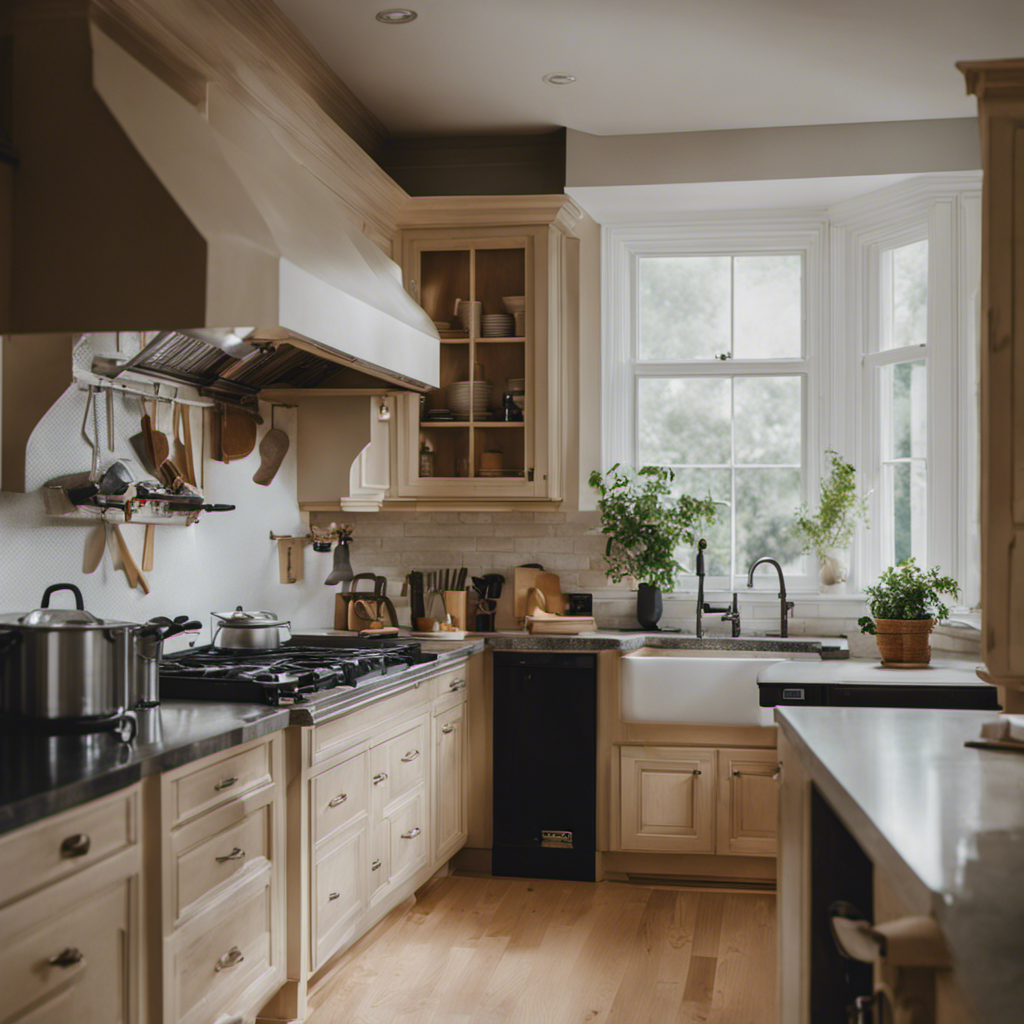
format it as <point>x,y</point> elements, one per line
<point>748,798</point>
<point>71,932</point>
<point>481,456</point>
<point>217,896</point>
<point>450,765</point>
<point>999,86</point>
<point>668,799</point>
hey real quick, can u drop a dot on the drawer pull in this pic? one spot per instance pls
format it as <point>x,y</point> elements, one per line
<point>379,778</point>
<point>232,958</point>
<point>375,866</point>
<point>457,684</point>
<point>225,783</point>
<point>411,755</point>
<point>412,833</point>
<point>338,800</point>
<point>75,846</point>
<point>696,771</point>
<point>447,728</point>
<point>236,854</point>
<point>333,896</point>
<point>67,957</point>
<point>757,775</point>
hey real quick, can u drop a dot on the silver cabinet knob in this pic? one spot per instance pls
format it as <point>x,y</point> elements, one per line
<point>75,846</point>
<point>232,958</point>
<point>236,854</point>
<point>412,833</point>
<point>457,684</point>
<point>338,800</point>
<point>447,728</point>
<point>379,778</point>
<point>333,896</point>
<point>375,866</point>
<point>226,783</point>
<point>411,755</point>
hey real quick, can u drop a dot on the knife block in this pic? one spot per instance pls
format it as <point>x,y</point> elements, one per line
<point>455,604</point>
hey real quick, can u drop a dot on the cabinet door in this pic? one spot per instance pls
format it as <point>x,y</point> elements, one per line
<point>409,837</point>
<point>76,966</point>
<point>339,891</point>
<point>478,454</point>
<point>748,798</point>
<point>667,799</point>
<point>451,795</point>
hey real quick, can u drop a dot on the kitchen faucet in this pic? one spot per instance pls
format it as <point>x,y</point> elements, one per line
<point>730,613</point>
<point>786,606</point>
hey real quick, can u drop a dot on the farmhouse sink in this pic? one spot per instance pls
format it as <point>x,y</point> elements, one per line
<point>697,687</point>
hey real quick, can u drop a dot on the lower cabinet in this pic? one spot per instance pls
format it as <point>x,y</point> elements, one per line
<point>698,800</point>
<point>451,793</point>
<point>339,889</point>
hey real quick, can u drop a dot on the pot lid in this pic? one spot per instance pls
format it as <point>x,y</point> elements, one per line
<point>250,619</point>
<point>60,618</point>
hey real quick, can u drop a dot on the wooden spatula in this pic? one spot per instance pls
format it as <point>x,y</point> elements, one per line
<point>94,545</point>
<point>273,449</point>
<point>158,441</point>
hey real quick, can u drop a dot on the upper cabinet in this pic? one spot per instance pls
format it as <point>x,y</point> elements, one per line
<point>504,297</point>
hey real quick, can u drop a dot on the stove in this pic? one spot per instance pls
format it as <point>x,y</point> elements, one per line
<point>288,674</point>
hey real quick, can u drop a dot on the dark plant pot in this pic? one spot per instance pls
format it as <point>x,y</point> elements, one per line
<point>648,605</point>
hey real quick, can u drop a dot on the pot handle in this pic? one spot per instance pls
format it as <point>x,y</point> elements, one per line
<point>79,603</point>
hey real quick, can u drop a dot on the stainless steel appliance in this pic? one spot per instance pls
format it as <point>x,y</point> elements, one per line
<point>288,674</point>
<point>66,670</point>
<point>243,630</point>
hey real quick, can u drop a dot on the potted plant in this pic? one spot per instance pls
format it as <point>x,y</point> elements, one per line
<point>905,604</point>
<point>645,525</point>
<point>830,530</point>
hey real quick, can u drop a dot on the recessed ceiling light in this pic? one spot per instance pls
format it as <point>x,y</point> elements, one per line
<point>559,78</point>
<point>396,16</point>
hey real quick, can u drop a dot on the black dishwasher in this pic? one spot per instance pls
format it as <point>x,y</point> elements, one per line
<point>545,770</point>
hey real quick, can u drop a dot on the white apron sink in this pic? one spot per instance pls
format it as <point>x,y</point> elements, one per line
<point>697,687</point>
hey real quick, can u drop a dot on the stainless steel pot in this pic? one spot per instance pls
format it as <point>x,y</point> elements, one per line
<point>249,630</point>
<point>149,648</point>
<point>66,665</point>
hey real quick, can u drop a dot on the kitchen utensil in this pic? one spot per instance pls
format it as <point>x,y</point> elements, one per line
<point>289,559</point>
<point>551,586</point>
<point>65,669</point>
<point>186,440</point>
<point>148,547</point>
<point>560,625</point>
<point>525,578</point>
<point>415,585</point>
<point>115,480</point>
<point>95,544</point>
<point>424,625</point>
<point>435,607</point>
<point>158,443</point>
<point>273,449</point>
<point>455,605</point>
<point>460,581</point>
<point>237,433</point>
<point>341,571</point>
<point>131,570</point>
<point>248,630</point>
<point>144,691</point>
<point>110,420</point>
<point>345,616</point>
<point>181,451</point>
<point>94,441</point>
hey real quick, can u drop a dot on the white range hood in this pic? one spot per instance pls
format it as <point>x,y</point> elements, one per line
<point>263,246</point>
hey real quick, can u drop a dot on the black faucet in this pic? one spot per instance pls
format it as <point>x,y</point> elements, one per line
<point>730,613</point>
<point>786,606</point>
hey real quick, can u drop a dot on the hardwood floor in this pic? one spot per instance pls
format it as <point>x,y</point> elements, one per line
<point>476,950</point>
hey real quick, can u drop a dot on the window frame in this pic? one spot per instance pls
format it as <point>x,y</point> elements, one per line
<point>725,235</point>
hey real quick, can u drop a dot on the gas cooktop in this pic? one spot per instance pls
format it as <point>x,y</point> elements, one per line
<point>283,675</point>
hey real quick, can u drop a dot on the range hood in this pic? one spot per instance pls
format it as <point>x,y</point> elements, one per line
<point>137,210</point>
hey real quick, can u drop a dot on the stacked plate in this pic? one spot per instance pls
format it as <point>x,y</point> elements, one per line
<point>497,325</point>
<point>469,396</point>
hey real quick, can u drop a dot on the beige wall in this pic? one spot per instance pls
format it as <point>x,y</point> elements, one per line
<point>752,154</point>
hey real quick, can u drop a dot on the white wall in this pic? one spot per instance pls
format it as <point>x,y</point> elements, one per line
<point>224,560</point>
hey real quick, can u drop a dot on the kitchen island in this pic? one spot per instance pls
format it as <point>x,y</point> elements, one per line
<point>941,827</point>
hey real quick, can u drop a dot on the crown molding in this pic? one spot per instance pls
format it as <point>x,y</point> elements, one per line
<point>476,211</point>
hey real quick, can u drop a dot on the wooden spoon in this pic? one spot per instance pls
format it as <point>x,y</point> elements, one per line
<point>128,563</point>
<point>148,546</point>
<point>94,545</point>
<point>273,449</point>
<point>158,441</point>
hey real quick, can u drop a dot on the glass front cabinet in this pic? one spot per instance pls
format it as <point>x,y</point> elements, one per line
<point>505,301</point>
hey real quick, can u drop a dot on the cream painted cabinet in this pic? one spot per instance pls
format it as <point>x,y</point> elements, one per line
<point>451,784</point>
<point>668,799</point>
<point>748,800</point>
<point>449,446</point>
<point>70,948</point>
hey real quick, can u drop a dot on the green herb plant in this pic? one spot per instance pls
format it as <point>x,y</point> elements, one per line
<point>839,511</point>
<point>908,592</point>
<point>645,524</point>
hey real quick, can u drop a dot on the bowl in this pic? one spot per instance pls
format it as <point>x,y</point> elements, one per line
<point>514,303</point>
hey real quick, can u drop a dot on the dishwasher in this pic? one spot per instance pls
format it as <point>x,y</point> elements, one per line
<point>545,765</point>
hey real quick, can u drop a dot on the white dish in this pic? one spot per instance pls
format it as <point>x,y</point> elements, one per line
<point>452,634</point>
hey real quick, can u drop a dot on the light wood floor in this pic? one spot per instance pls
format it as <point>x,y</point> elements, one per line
<point>477,950</point>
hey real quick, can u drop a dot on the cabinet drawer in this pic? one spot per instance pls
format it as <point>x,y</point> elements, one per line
<point>214,862</point>
<point>408,835</point>
<point>90,980</point>
<point>221,957</point>
<point>400,763</point>
<point>49,850</point>
<point>339,891</point>
<point>339,796</point>
<point>453,681</point>
<point>229,778</point>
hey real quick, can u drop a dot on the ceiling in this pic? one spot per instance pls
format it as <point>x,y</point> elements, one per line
<point>657,65</point>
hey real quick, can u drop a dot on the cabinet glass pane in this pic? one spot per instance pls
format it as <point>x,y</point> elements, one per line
<point>683,307</point>
<point>684,420</point>
<point>768,420</point>
<point>768,307</point>
<point>444,277</point>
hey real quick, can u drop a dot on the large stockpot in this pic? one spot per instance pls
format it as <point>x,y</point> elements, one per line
<point>246,630</point>
<point>66,666</point>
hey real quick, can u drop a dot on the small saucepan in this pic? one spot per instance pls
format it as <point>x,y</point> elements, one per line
<point>245,630</point>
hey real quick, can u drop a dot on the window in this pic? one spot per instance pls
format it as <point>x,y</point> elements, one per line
<point>716,378</point>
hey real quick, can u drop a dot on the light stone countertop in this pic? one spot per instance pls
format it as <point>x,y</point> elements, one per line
<point>950,671</point>
<point>944,822</point>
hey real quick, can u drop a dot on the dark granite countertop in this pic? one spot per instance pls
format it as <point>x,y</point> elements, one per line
<point>627,642</point>
<point>43,775</point>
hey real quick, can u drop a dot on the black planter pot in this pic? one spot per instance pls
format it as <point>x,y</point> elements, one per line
<point>648,605</point>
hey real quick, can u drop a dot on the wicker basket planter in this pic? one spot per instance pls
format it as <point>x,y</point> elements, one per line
<point>904,641</point>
